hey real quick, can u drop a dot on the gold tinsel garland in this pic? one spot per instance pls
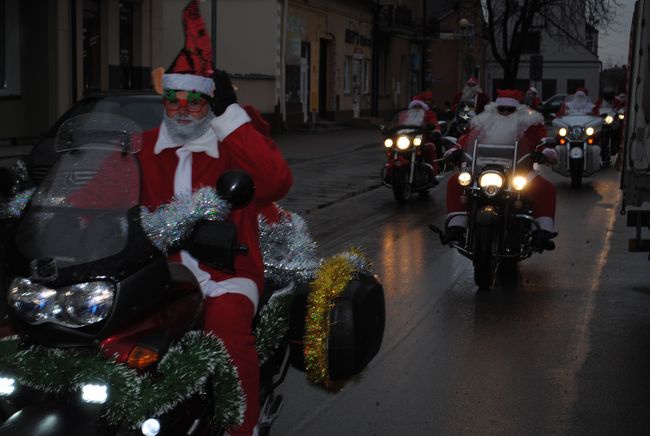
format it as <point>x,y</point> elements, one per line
<point>330,282</point>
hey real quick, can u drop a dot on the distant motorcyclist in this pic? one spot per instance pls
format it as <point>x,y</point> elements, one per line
<point>432,147</point>
<point>578,104</point>
<point>471,93</point>
<point>507,121</point>
<point>532,100</point>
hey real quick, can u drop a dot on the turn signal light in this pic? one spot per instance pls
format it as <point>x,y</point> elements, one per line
<point>562,141</point>
<point>141,357</point>
<point>590,141</point>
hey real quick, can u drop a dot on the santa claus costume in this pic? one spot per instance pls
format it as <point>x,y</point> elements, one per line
<point>431,149</point>
<point>471,93</point>
<point>493,127</point>
<point>173,166</point>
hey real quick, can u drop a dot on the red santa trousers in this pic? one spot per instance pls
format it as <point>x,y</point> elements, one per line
<point>539,191</point>
<point>230,317</point>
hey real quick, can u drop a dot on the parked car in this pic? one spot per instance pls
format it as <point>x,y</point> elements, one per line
<point>550,106</point>
<point>144,107</point>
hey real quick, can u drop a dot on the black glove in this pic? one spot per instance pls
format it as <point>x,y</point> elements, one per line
<point>457,156</point>
<point>537,156</point>
<point>224,93</point>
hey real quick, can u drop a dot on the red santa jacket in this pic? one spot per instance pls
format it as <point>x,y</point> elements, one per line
<point>242,146</point>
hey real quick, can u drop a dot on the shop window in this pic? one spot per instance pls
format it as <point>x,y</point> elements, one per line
<point>9,47</point>
<point>126,45</point>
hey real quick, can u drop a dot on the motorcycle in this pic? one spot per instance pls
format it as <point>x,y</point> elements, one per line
<point>103,334</point>
<point>578,148</point>
<point>500,225</point>
<point>459,125</point>
<point>610,135</point>
<point>409,144</point>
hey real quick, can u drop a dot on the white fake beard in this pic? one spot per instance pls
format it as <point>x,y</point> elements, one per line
<point>184,133</point>
<point>469,93</point>
<point>495,128</point>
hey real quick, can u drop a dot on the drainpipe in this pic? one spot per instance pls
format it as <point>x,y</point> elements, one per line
<point>283,79</point>
<point>73,48</point>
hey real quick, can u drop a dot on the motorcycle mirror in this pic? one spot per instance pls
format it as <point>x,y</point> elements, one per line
<point>237,187</point>
<point>382,128</point>
<point>548,141</point>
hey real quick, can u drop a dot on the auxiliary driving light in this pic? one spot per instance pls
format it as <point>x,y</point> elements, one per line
<point>519,183</point>
<point>94,393</point>
<point>589,131</point>
<point>464,178</point>
<point>7,386</point>
<point>388,143</point>
<point>621,116</point>
<point>403,142</point>
<point>151,427</point>
<point>417,141</point>
<point>609,119</point>
<point>563,131</point>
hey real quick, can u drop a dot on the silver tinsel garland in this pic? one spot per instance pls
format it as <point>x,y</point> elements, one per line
<point>288,250</point>
<point>14,208</point>
<point>172,222</point>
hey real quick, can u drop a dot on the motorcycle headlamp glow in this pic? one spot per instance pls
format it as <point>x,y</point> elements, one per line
<point>71,306</point>
<point>563,131</point>
<point>621,116</point>
<point>609,119</point>
<point>388,143</point>
<point>589,131</point>
<point>403,142</point>
<point>151,427</point>
<point>519,183</point>
<point>491,182</point>
<point>7,386</point>
<point>97,394</point>
<point>464,178</point>
<point>417,141</point>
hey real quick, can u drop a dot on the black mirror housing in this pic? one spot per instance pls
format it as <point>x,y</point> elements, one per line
<point>237,187</point>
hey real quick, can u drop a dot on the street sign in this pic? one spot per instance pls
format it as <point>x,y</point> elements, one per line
<point>358,54</point>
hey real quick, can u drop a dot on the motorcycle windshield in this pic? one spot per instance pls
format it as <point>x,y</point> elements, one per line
<point>79,212</point>
<point>493,155</point>
<point>409,118</point>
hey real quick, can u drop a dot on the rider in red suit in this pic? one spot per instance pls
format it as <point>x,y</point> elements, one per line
<point>204,133</point>
<point>431,149</point>
<point>504,122</point>
<point>471,93</point>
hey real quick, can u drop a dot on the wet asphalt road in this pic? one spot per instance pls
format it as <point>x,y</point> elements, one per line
<point>562,349</point>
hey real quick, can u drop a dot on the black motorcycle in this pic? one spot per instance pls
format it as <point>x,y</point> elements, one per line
<point>412,150</point>
<point>500,225</point>
<point>459,125</point>
<point>103,334</point>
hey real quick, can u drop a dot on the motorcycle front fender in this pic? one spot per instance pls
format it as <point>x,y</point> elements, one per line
<point>53,419</point>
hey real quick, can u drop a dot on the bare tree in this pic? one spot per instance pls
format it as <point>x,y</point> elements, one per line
<point>507,24</point>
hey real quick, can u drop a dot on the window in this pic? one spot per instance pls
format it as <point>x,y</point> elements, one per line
<point>91,45</point>
<point>365,74</point>
<point>9,48</point>
<point>126,45</point>
<point>347,75</point>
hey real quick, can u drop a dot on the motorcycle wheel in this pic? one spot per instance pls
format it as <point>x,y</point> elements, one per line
<point>484,263</point>
<point>575,169</point>
<point>401,187</point>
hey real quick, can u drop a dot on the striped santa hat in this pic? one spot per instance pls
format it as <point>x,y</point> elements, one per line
<point>192,69</point>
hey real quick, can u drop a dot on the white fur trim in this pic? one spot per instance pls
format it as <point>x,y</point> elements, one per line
<point>418,103</point>
<point>233,117</point>
<point>546,223</point>
<point>506,101</point>
<point>495,128</point>
<point>188,82</point>
<point>210,288</point>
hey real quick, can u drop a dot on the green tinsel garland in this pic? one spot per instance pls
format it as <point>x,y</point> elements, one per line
<point>273,323</point>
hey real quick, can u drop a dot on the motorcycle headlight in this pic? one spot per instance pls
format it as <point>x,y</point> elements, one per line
<point>464,178</point>
<point>621,116</point>
<point>589,131</point>
<point>417,141</point>
<point>491,183</point>
<point>562,132</point>
<point>72,306</point>
<point>519,183</point>
<point>403,142</point>
<point>388,143</point>
<point>609,119</point>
